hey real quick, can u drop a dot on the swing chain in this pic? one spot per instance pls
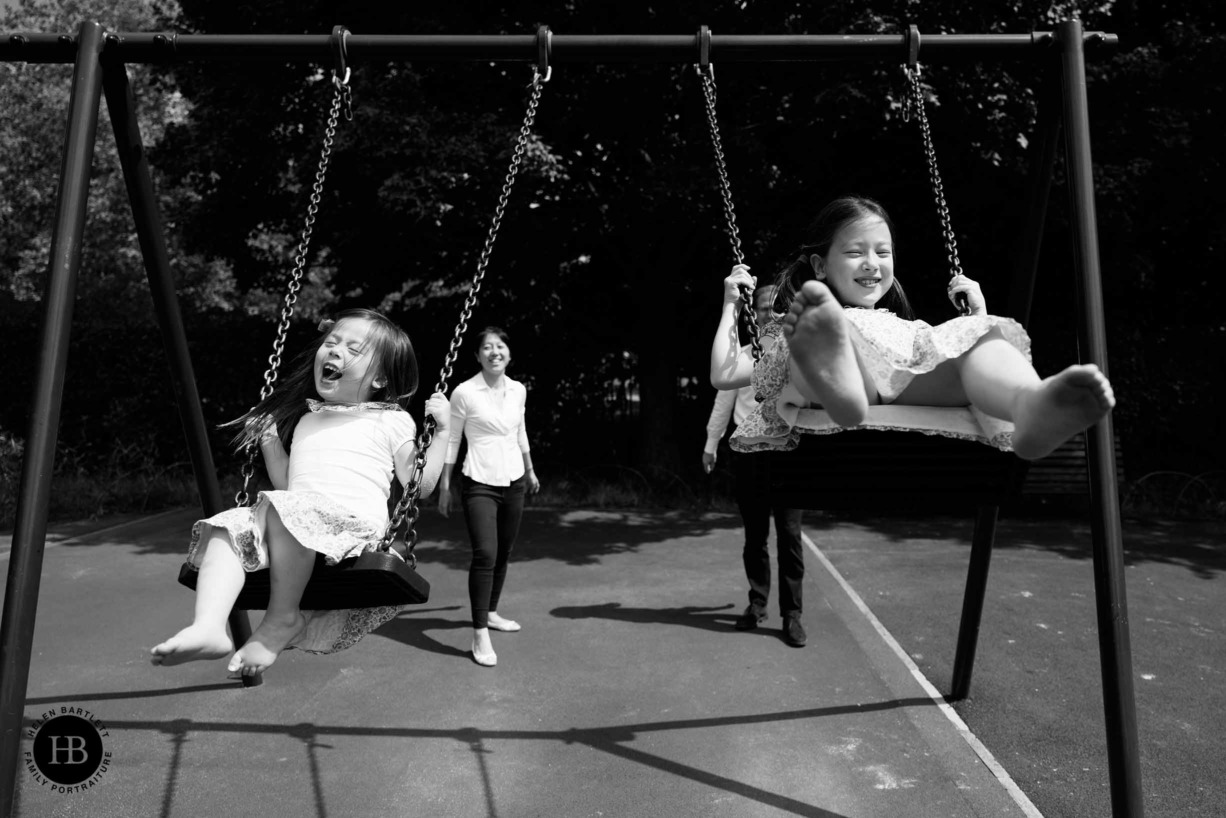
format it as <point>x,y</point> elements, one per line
<point>707,76</point>
<point>341,95</point>
<point>346,92</point>
<point>913,105</point>
<point>407,507</point>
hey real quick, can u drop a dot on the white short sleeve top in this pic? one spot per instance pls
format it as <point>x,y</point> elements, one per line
<point>347,453</point>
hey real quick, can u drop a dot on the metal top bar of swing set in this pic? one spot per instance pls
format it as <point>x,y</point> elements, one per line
<point>562,48</point>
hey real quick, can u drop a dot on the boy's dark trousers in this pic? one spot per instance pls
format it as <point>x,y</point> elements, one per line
<point>751,473</point>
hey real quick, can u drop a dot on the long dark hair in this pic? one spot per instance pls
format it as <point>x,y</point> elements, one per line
<point>391,351</point>
<point>817,239</point>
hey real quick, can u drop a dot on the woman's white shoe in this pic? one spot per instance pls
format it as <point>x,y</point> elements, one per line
<point>497,623</point>
<point>484,656</point>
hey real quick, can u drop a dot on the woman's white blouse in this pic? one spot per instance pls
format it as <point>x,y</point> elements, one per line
<point>497,438</point>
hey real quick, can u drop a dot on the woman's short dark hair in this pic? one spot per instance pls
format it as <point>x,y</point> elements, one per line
<point>499,331</point>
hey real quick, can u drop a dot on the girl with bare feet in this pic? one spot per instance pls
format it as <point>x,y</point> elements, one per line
<point>332,435</point>
<point>848,341</point>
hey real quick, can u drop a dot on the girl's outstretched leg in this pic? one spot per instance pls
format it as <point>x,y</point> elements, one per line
<point>218,583</point>
<point>289,569</point>
<point>823,362</point>
<point>999,380</point>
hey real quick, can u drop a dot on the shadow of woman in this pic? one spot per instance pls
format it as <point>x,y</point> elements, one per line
<point>690,616</point>
<point>410,629</point>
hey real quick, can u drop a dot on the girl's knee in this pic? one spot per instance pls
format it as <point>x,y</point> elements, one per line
<point>219,547</point>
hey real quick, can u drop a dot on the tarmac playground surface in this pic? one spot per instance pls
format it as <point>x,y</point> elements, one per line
<point>627,693</point>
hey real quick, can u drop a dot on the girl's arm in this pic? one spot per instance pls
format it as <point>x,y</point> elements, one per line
<point>731,367</point>
<point>438,406</point>
<point>276,461</point>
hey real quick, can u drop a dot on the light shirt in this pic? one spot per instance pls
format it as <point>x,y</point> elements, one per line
<point>734,404</point>
<point>729,403</point>
<point>497,437</point>
<point>347,453</point>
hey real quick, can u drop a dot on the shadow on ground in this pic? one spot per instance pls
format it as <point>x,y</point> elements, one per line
<point>585,537</point>
<point>578,537</point>
<point>1196,545</point>
<point>613,740</point>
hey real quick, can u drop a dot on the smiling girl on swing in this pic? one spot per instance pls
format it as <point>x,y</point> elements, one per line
<point>848,342</point>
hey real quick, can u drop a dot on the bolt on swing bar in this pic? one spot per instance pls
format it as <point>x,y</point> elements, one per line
<point>141,47</point>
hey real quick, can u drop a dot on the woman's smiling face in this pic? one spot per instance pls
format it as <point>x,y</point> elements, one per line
<point>493,354</point>
<point>860,264</point>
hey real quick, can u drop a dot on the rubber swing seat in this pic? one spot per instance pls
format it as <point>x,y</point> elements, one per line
<point>370,580</point>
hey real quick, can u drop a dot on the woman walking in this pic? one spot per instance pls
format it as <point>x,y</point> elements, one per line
<point>488,410</point>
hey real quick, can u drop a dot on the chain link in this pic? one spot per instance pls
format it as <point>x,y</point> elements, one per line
<point>913,105</point>
<point>343,94</point>
<point>725,187</point>
<point>407,507</point>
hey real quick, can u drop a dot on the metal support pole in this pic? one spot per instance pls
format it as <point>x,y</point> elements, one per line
<point>972,600</point>
<point>30,530</point>
<point>121,105</point>
<point>1123,754</point>
<point>1042,166</point>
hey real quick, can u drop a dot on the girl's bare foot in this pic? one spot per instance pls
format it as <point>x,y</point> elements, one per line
<point>483,648</point>
<point>266,643</point>
<point>1058,408</point>
<point>192,643</point>
<point>822,354</point>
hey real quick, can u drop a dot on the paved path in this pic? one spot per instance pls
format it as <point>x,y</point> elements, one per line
<point>627,693</point>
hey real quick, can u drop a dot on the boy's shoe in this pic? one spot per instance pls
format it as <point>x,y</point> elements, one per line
<point>750,619</point>
<point>793,632</point>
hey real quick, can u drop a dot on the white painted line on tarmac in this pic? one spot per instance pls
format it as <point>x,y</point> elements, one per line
<point>985,755</point>
<point>97,531</point>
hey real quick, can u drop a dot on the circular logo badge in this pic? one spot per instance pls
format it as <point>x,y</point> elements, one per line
<point>68,750</point>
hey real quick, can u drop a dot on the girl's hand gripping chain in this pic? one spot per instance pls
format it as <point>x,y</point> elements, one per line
<point>439,407</point>
<point>966,296</point>
<point>736,280</point>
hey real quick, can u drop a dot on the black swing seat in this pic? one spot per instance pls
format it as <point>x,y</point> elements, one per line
<point>888,470</point>
<point>370,580</point>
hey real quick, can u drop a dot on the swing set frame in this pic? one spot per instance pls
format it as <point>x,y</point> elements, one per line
<point>99,58</point>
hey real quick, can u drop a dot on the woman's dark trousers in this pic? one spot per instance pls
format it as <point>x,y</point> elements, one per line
<point>493,514</point>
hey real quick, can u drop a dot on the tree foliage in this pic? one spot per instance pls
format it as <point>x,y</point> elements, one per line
<point>610,257</point>
<point>115,342</point>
